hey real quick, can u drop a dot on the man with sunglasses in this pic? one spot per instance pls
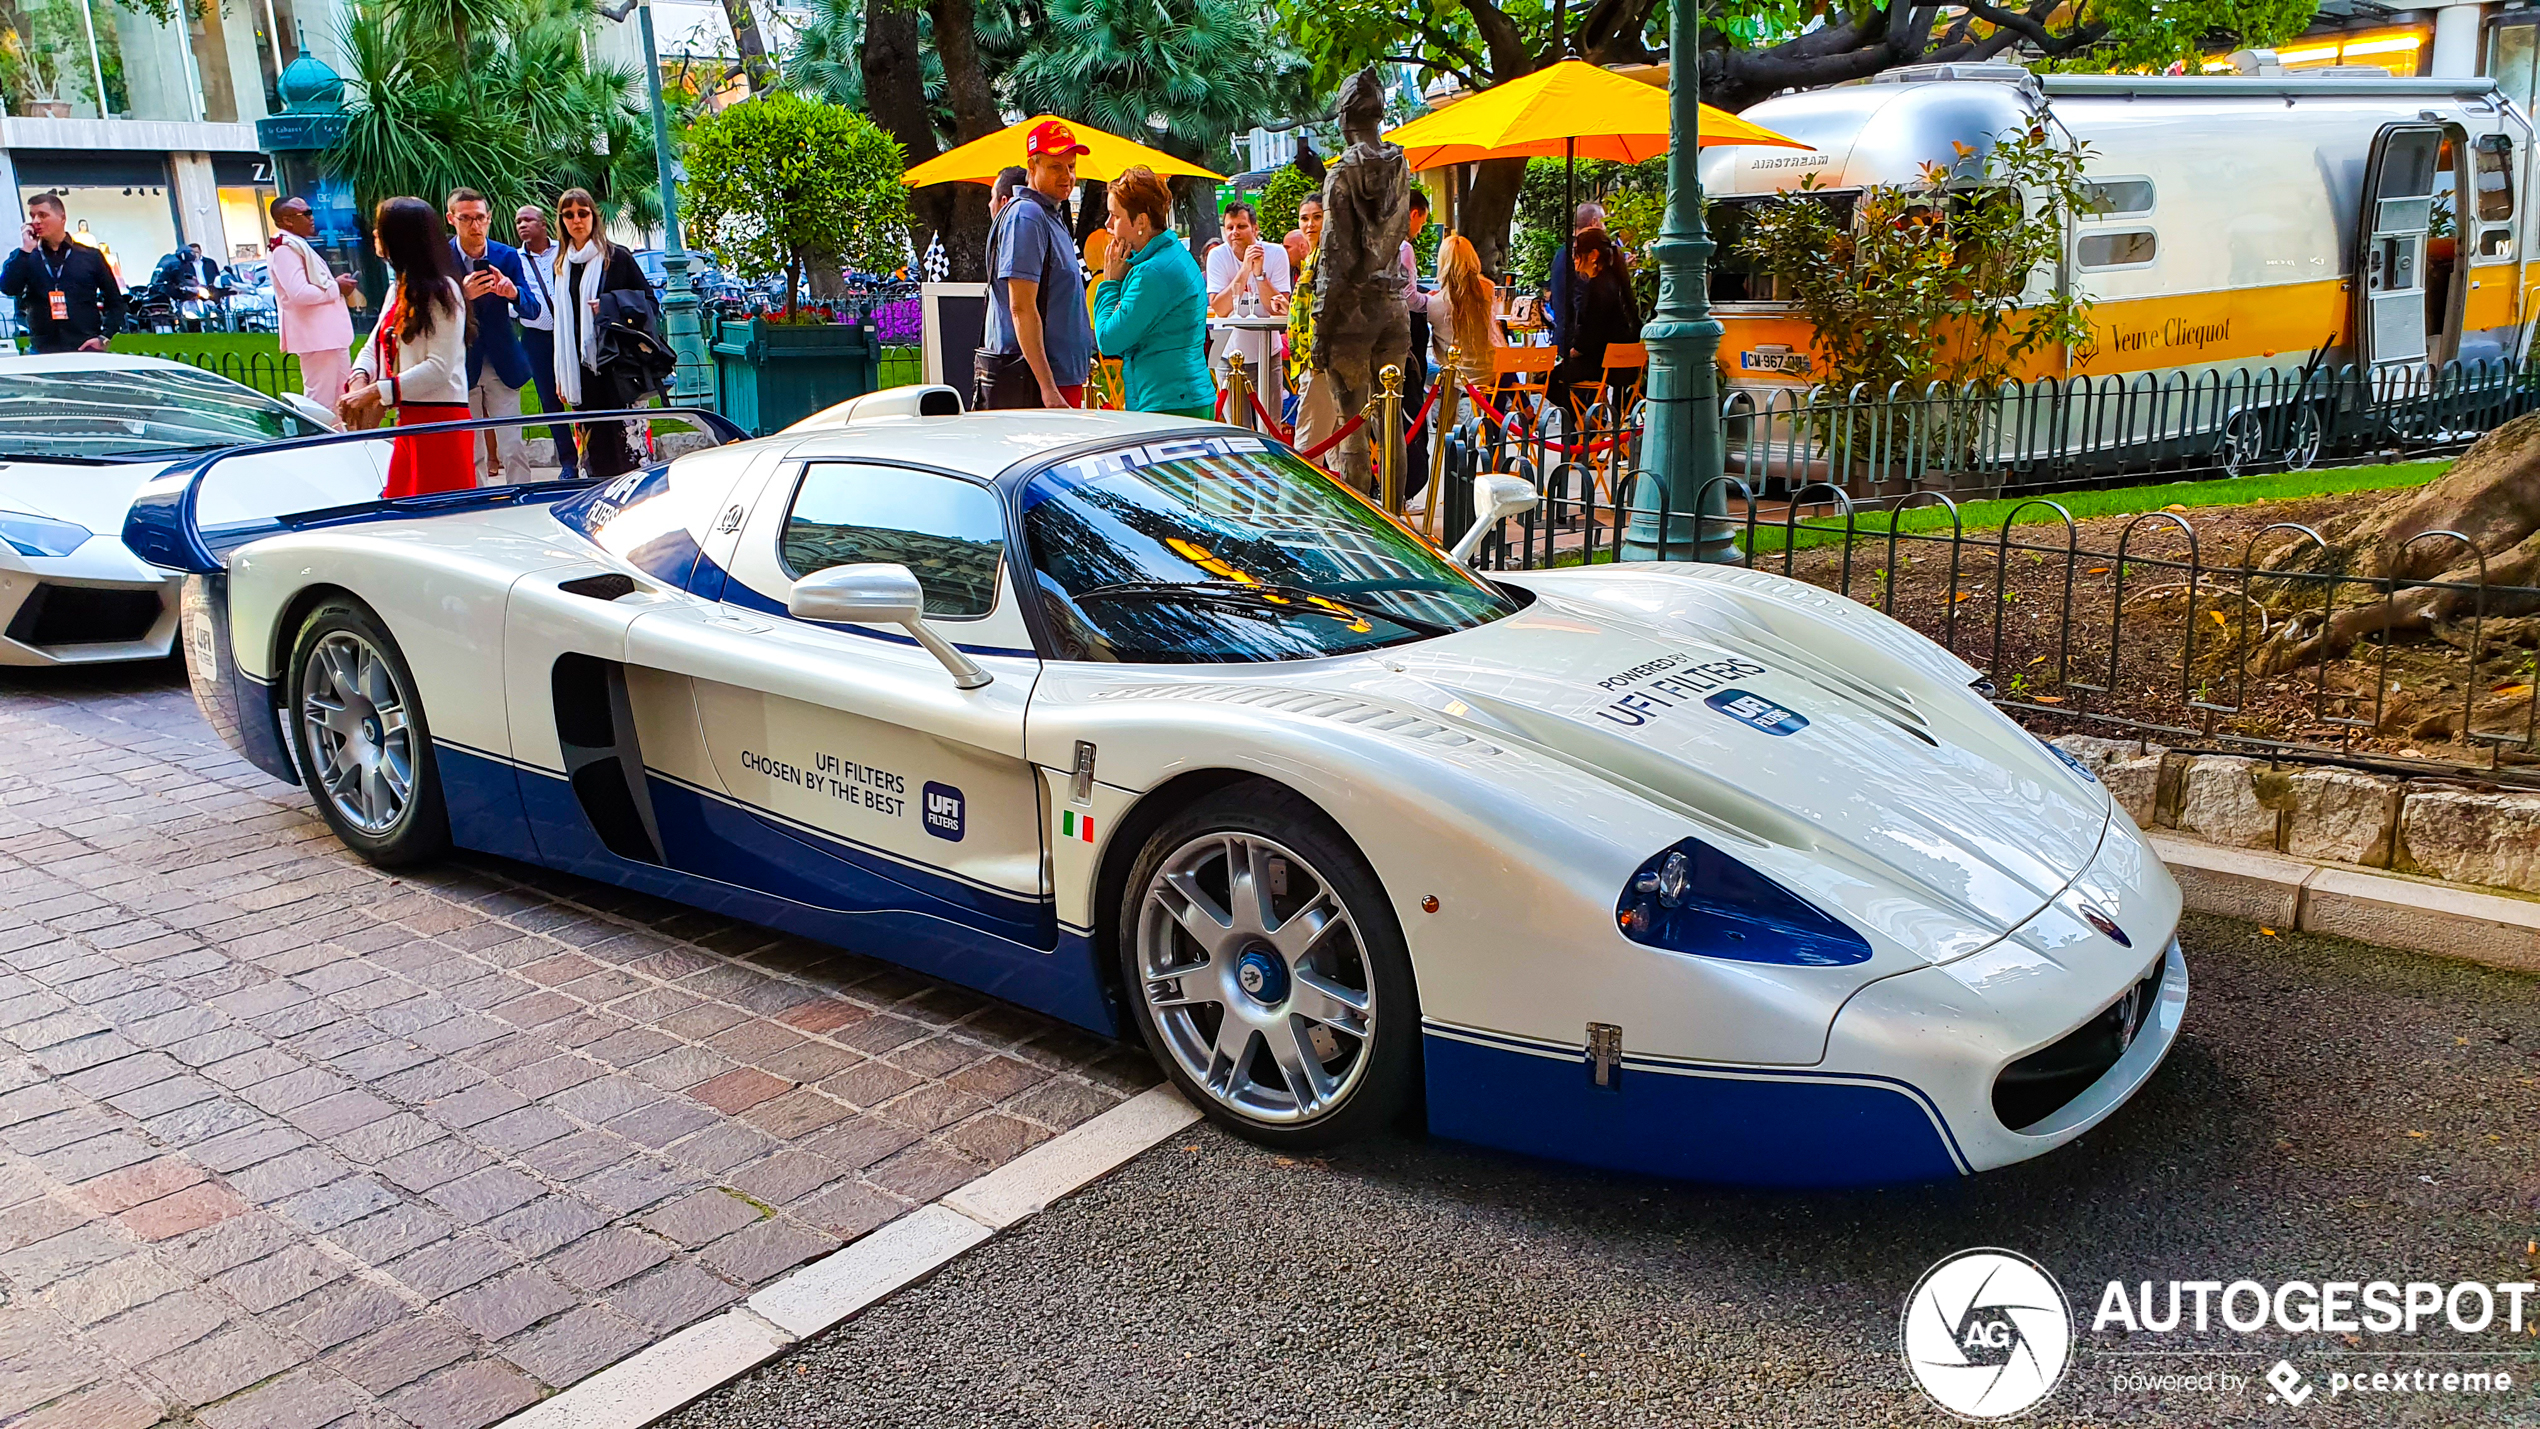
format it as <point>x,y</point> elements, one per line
<point>308,300</point>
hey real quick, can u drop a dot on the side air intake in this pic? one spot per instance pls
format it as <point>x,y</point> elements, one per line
<point>595,723</point>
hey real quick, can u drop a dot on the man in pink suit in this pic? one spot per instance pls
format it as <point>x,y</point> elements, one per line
<point>309,301</point>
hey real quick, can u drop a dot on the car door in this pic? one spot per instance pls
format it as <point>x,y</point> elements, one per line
<point>2394,223</point>
<point>842,767</point>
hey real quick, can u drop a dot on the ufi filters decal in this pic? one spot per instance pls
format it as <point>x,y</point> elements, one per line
<point>942,811</point>
<point>1757,712</point>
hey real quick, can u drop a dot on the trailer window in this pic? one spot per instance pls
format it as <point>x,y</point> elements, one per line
<point>2496,179</point>
<point>1737,275</point>
<point>2130,249</point>
<point>2110,198</point>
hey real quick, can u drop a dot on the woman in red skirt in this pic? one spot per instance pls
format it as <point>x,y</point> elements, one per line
<point>416,359</point>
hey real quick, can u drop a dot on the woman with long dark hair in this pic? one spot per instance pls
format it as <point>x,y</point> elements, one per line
<point>1601,290</point>
<point>588,269</point>
<point>415,360</point>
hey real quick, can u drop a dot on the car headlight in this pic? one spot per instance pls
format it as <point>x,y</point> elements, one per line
<point>41,535</point>
<point>1694,899</point>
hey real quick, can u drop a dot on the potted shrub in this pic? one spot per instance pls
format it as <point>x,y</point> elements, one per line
<point>781,184</point>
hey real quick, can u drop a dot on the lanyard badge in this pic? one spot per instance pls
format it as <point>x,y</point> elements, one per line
<point>61,306</point>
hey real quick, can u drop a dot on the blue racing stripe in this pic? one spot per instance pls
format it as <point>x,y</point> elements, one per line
<point>1757,1129</point>
<point>782,882</point>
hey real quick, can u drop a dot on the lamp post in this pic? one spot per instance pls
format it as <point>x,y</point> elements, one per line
<point>1682,449</point>
<point>680,317</point>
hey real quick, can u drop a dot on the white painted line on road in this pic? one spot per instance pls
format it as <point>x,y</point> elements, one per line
<point>642,1389</point>
<point>1022,1186</point>
<point>830,1289</point>
<point>705,1356</point>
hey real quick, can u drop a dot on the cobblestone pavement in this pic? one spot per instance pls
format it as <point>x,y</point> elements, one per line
<point>287,1141</point>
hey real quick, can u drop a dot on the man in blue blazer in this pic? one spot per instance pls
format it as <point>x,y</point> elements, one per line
<point>497,366</point>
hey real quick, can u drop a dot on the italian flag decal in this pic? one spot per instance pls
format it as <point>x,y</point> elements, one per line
<point>1075,825</point>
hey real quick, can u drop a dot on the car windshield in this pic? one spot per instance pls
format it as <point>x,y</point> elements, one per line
<point>1228,549</point>
<point>105,414</point>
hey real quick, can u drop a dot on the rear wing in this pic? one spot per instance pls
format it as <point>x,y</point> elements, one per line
<point>165,525</point>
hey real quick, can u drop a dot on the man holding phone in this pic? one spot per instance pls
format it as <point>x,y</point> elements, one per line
<point>68,300</point>
<point>497,365</point>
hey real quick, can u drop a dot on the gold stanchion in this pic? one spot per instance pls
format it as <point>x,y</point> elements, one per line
<point>1441,421</point>
<point>1385,414</point>
<point>1238,392</point>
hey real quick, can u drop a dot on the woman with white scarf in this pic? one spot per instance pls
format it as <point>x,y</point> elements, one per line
<point>586,266</point>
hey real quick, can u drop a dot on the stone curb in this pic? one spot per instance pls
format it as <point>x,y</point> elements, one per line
<point>653,1382</point>
<point>2395,911</point>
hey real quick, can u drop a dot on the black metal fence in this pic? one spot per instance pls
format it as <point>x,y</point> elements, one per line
<point>272,373</point>
<point>2227,632</point>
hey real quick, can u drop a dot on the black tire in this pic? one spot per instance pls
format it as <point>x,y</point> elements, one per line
<point>1300,1006</point>
<point>419,829</point>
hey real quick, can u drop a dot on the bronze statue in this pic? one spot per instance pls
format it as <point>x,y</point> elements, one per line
<point>1360,321</point>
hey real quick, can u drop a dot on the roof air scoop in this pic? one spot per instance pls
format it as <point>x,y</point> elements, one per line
<point>929,400</point>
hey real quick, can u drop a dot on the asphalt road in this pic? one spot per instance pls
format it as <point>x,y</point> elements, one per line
<point>2332,1112</point>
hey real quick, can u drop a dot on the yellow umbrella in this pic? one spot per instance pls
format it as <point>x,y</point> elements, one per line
<point>980,160</point>
<point>1572,110</point>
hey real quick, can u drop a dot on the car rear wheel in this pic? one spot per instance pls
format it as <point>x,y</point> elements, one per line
<point>1268,972</point>
<point>365,749</point>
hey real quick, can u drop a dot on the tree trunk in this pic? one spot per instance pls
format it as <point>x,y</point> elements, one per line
<point>1093,208</point>
<point>894,69</point>
<point>1488,207</point>
<point>974,106</point>
<point>966,233</point>
<point>751,42</point>
<point>974,101</point>
<point>1193,213</point>
<point>2491,496</point>
<point>793,284</point>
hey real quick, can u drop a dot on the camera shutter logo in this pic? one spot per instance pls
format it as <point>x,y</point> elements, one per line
<point>1987,1333</point>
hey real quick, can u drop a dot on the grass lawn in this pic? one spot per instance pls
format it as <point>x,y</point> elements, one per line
<point>184,344</point>
<point>2121,501</point>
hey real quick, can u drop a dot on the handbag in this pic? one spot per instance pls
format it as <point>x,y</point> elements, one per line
<point>1004,379</point>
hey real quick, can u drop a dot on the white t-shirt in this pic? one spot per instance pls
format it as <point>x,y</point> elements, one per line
<point>1260,349</point>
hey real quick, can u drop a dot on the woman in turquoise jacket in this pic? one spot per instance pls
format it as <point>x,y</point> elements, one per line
<point>1152,309</point>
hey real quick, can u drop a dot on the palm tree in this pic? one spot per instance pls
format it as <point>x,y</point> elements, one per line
<point>1183,75</point>
<point>521,113</point>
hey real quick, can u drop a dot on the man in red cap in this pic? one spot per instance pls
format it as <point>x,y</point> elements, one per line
<point>1039,344</point>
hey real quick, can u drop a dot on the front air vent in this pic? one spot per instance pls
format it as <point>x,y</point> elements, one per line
<point>85,615</point>
<point>2045,1081</point>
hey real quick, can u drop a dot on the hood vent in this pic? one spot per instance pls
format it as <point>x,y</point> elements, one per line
<point>1313,704</point>
<point>1669,783</point>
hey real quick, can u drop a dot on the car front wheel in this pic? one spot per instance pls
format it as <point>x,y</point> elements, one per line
<point>1268,971</point>
<point>365,749</point>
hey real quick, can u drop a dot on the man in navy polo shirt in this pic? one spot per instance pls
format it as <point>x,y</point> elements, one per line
<point>1036,299</point>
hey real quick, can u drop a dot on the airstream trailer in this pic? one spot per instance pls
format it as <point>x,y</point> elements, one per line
<point>2230,257</point>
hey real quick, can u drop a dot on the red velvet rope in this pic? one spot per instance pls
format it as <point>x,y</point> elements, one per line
<point>1509,425</point>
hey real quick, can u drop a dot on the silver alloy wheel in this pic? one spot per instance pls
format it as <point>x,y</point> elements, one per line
<point>1253,969</point>
<point>353,715</point>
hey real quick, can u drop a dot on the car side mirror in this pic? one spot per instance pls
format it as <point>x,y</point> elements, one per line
<point>300,403</point>
<point>1496,496</point>
<point>879,593</point>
